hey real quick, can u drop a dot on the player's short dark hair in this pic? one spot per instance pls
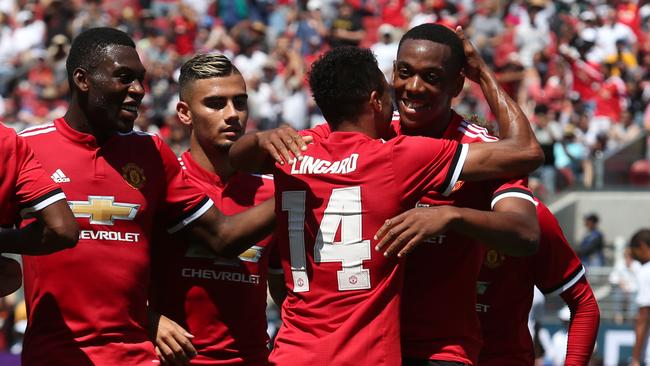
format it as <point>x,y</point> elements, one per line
<point>204,66</point>
<point>89,46</point>
<point>342,80</point>
<point>641,236</point>
<point>438,34</point>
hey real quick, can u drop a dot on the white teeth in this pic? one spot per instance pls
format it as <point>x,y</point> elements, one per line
<point>130,108</point>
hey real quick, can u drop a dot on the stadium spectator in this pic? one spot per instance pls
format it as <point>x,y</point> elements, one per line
<point>591,247</point>
<point>548,132</point>
<point>113,177</point>
<point>213,104</point>
<point>424,99</point>
<point>640,246</point>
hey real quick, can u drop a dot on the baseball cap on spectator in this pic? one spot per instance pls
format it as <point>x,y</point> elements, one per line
<point>541,4</point>
<point>314,5</point>
<point>511,19</point>
<point>24,16</point>
<point>385,30</point>
<point>587,16</point>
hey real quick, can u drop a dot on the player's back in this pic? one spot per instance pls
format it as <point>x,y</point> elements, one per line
<point>342,306</point>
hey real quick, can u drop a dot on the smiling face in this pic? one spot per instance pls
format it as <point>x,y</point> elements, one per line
<point>425,82</point>
<point>217,109</point>
<point>114,90</point>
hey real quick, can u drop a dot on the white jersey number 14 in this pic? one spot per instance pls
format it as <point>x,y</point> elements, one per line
<point>344,209</point>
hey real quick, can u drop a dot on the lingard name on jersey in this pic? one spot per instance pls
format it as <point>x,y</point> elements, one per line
<point>311,165</point>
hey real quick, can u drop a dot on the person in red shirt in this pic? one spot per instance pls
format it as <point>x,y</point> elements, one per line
<point>191,286</point>
<point>27,191</point>
<point>342,305</point>
<point>88,305</point>
<point>504,299</point>
<point>427,76</point>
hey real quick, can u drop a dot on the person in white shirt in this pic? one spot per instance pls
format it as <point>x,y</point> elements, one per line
<point>640,246</point>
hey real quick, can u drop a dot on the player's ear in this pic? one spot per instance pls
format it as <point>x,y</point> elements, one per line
<point>375,101</point>
<point>80,79</point>
<point>184,113</point>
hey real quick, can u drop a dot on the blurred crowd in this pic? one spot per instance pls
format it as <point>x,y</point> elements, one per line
<point>580,69</point>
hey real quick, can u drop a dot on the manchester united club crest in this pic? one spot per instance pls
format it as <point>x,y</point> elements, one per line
<point>134,175</point>
<point>493,259</point>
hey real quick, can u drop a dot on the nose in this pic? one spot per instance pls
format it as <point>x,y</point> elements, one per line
<point>136,90</point>
<point>230,112</point>
<point>415,84</point>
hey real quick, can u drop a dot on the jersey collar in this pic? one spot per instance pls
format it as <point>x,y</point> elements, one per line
<point>196,171</point>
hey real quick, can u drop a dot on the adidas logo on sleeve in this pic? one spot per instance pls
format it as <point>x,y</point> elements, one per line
<point>59,177</point>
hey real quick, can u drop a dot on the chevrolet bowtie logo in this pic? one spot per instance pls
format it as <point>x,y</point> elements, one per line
<point>102,210</point>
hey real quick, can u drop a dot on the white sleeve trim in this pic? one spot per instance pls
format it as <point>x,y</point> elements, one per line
<point>570,283</point>
<point>41,205</point>
<point>457,169</point>
<point>524,196</point>
<point>188,220</point>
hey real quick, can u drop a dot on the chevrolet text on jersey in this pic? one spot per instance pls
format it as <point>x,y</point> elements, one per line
<point>310,165</point>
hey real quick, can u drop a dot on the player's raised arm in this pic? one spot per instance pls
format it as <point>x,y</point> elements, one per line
<point>257,152</point>
<point>517,153</point>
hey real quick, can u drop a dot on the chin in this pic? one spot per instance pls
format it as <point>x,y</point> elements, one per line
<point>125,127</point>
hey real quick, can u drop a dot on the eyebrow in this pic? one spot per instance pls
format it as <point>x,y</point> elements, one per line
<point>437,69</point>
<point>211,98</point>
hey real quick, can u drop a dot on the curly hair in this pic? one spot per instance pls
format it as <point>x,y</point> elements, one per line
<point>342,79</point>
<point>204,66</point>
<point>89,46</point>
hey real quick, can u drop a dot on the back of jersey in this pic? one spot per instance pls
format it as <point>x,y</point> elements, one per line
<point>342,306</point>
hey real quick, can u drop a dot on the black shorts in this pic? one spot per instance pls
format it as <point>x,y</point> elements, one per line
<point>417,362</point>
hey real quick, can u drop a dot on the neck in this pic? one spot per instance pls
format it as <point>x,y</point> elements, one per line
<point>434,129</point>
<point>363,124</point>
<point>214,161</point>
<point>77,118</point>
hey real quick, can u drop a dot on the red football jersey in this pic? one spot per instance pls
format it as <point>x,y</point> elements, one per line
<point>24,185</point>
<point>221,301</point>
<point>88,305</point>
<point>342,306</point>
<point>438,317</point>
<point>505,292</point>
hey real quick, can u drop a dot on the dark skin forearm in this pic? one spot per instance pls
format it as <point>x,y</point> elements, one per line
<point>510,233</point>
<point>230,235</point>
<point>257,152</point>
<point>512,228</point>
<point>55,229</point>
<point>641,331</point>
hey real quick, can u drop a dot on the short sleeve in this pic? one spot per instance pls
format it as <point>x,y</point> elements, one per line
<point>423,164</point>
<point>514,188</point>
<point>643,294</point>
<point>557,267</point>
<point>184,201</point>
<point>34,189</point>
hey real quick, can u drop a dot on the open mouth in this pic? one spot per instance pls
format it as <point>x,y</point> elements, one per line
<point>130,108</point>
<point>414,106</point>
